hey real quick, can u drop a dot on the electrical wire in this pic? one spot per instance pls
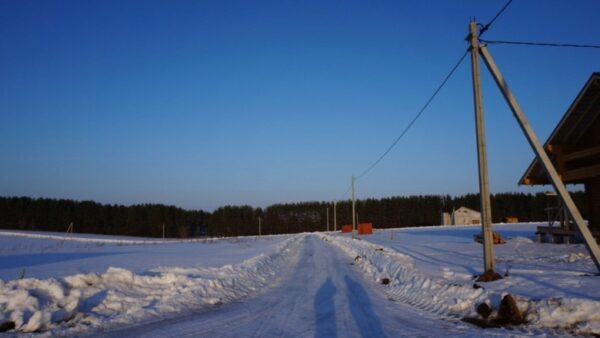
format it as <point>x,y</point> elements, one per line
<point>412,122</point>
<point>544,44</point>
<point>485,27</point>
<point>347,191</point>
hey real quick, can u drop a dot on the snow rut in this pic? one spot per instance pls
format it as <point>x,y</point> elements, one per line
<point>118,297</point>
<point>454,300</point>
<point>407,284</point>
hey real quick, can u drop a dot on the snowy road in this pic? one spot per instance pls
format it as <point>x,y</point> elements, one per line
<point>322,296</point>
<point>297,285</point>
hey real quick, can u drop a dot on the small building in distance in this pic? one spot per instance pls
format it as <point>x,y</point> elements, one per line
<point>365,228</point>
<point>574,149</point>
<point>461,216</point>
<point>464,215</point>
<point>446,218</point>
<point>346,228</point>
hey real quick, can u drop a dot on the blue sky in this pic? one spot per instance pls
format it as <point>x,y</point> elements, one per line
<point>203,104</point>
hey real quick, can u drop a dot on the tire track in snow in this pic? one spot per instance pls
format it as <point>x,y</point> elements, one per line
<point>447,301</point>
<point>323,295</point>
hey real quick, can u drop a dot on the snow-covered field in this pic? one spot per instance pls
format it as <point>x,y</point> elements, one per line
<point>536,270</point>
<point>434,268</point>
<point>72,284</point>
<point>296,285</point>
<point>44,255</point>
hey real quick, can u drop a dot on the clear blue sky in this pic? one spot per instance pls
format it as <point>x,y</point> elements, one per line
<point>201,104</point>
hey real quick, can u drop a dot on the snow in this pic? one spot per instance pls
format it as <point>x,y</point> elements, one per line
<point>119,296</point>
<point>294,285</point>
<point>45,255</point>
<point>434,268</point>
<point>323,295</point>
<point>535,270</point>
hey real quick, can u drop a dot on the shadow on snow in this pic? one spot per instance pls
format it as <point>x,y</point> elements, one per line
<point>325,325</point>
<point>27,260</point>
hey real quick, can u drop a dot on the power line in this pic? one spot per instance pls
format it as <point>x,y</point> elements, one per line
<point>544,44</point>
<point>347,191</point>
<point>485,27</point>
<point>412,122</point>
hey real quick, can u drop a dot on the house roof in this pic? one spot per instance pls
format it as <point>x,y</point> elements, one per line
<point>572,128</point>
<point>465,208</point>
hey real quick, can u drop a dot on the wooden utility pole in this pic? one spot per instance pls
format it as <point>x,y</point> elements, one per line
<point>259,225</point>
<point>557,183</point>
<point>334,218</point>
<point>484,191</point>
<point>163,230</point>
<point>353,210</point>
<point>327,219</point>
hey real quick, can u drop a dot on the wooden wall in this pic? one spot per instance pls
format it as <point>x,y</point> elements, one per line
<point>592,188</point>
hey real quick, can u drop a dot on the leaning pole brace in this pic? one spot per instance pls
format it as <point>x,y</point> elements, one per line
<point>559,186</point>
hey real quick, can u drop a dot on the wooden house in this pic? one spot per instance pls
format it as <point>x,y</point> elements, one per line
<point>461,216</point>
<point>574,148</point>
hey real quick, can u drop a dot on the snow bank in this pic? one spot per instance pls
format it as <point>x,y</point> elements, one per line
<point>93,238</point>
<point>120,297</point>
<point>444,298</point>
<point>408,284</point>
<point>42,258</point>
<point>121,240</point>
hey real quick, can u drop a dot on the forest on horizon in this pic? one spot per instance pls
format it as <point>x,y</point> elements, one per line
<point>46,214</point>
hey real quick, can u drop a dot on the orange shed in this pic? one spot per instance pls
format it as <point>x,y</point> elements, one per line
<point>347,228</point>
<point>365,228</point>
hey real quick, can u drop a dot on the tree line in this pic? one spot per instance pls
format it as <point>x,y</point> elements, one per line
<point>24,213</point>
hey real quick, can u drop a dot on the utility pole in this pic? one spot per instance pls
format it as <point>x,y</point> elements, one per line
<point>534,142</point>
<point>70,229</point>
<point>163,230</point>
<point>259,225</point>
<point>555,179</point>
<point>484,191</point>
<point>334,218</point>
<point>353,209</point>
<point>327,219</point>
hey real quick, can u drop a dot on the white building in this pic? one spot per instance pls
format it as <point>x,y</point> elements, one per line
<point>461,216</point>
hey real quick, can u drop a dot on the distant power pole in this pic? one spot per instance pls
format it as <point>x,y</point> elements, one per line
<point>163,230</point>
<point>353,209</point>
<point>259,225</point>
<point>327,219</point>
<point>334,218</point>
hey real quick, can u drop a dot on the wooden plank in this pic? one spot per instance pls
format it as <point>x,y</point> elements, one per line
<point>563,148</point>
<point>592,188</point>
<point>585,153</point>
<point>535,181</point>
<point>582,173</point>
